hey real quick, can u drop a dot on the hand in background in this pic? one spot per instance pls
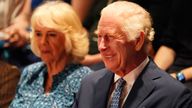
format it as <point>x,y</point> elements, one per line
<point>18,35</point>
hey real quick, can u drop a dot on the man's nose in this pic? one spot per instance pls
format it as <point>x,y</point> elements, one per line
<point>102,44</point>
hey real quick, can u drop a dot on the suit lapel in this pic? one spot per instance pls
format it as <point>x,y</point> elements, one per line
<point>142,87</point>
<point>102,89</point>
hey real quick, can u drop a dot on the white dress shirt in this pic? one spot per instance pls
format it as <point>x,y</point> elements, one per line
<point>130,79</point>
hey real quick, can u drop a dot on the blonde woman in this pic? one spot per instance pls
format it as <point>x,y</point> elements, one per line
<point>59,39</point>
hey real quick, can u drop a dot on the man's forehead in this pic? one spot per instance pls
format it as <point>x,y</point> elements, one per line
<point>102,29</point>
<point>107,17</point>
<point>107,23</point>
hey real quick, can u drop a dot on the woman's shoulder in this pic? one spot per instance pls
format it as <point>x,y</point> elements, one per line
<point>80,70</point>
<point>33,68</point>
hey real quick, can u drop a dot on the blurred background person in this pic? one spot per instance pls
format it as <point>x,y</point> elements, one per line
<point>14,28</point>
<point>59,39</point>
<point>9,77</point>
<point>36,3</point>
<point>89,13</point>
<point>160,12</point>
<point>175,52</point>
<point>14,19</point>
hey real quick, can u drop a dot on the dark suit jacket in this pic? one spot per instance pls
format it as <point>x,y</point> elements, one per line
<point>9,77</point>
<point>153,88</point>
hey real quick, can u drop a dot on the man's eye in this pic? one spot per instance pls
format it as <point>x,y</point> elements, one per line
<point>111,37</point>
<point>99,36</point>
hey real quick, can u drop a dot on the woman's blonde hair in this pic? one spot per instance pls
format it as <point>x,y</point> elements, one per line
<point>60,16</point>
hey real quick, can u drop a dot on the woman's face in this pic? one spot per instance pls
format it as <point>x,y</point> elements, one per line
<point>50,43</point>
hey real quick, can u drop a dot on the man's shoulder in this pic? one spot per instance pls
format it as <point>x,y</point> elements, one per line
<point>95,76</point>
<point>162,80</point>
<point>170,84</point>
<point>98,73</point>
<point>173,90</point>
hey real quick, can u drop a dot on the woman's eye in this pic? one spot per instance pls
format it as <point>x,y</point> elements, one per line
<point>38,34</point>
<point>52,34</point>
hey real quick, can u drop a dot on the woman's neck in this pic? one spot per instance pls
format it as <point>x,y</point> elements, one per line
<point>54,68</point>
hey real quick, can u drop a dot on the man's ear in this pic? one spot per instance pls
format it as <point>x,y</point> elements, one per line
<point>140,41</point>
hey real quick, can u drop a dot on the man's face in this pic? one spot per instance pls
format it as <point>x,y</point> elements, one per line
<point>116,51</point>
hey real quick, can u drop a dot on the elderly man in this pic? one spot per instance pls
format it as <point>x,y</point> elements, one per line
<point>131,79</point>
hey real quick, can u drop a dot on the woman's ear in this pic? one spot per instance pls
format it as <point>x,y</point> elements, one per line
<point>140,41</point>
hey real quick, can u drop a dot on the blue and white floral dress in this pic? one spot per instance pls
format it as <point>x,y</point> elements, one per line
<point>31,94</point>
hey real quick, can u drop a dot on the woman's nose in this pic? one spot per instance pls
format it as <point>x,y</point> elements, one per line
<point>43,39</point>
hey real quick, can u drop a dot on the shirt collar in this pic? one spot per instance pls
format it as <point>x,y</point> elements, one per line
<point>132,76</point>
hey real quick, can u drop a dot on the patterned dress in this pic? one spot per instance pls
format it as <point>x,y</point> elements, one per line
<point>30,92</point>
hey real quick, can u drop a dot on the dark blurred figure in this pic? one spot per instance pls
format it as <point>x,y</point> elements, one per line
<point>89,13</point>
<point>36,3</point>
<point>9,77</point>
<point>175,53</point>
<point>14,28</point>
<point>160,11</point>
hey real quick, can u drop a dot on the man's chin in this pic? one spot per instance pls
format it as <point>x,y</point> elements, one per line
<point>112,68</point>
